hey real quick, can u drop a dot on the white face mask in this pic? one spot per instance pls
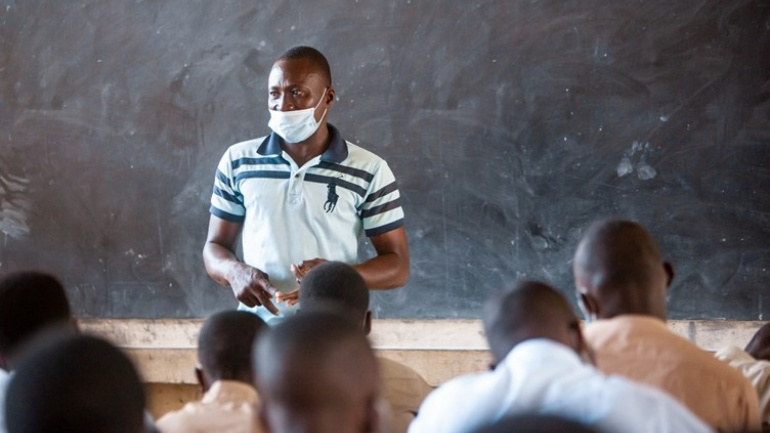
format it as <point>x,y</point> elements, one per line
<point>296,125</point>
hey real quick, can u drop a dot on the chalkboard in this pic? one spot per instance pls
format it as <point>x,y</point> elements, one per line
<point>510,125</point>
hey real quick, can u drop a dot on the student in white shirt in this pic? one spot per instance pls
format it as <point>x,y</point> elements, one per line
<point>536,341</point>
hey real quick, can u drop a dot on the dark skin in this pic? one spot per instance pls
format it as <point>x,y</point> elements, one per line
<point>296,84</point>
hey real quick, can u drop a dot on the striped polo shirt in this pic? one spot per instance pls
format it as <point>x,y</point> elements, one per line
<point>290,213</point>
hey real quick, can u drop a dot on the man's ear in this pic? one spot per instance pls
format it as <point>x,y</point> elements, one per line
<point>669,273</point>
<point>331,95</point>
<point>368,322</point>
<point>201,376</point>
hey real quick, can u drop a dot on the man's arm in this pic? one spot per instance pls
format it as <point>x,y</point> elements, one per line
<point>390,269</point>
<point>250,285</point>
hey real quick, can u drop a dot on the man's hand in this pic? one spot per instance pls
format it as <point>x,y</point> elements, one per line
<point>252,287</point>
<point>301,269</point>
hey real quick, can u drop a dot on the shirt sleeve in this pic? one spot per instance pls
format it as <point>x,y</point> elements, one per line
<point>226,199</point>
<point>381,211</point>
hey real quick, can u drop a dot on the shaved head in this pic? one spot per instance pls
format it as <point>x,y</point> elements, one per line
<point>619,270</point>
<point>336,283</point>
<point>317,373</point>
<point>75,383</point>
<point>224,345</point>
<point>759,346</point>
<point>529,310</point>
<point>314,58</point>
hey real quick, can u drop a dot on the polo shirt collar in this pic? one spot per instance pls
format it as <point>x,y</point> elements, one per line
<point>336,152</point>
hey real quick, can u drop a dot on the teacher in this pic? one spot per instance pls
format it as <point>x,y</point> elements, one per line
<point>301,196</point>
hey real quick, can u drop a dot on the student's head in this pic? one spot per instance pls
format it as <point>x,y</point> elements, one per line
<point>316,373</point>
<point>529,310</point>
<point>224,347</point>
<point>759,346</point>
<point>534,424</point>
<point>74,383</point>
<point>29,302</point>
<point>618,270</point>
<point>337,283</point>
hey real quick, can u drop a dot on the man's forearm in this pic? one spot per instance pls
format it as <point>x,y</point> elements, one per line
<point>386,271</point>
<point>220,262</point>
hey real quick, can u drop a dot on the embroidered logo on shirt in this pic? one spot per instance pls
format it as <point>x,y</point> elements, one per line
<point>331,196</point>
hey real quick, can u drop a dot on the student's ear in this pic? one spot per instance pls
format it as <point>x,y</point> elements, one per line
<point>201,376</point>
<point>669,273</point>
<point>368,322</point>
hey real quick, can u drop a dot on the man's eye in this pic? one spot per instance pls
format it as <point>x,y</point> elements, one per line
<point>296,92</point>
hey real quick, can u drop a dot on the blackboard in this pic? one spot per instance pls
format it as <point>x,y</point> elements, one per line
<point>511,125</point>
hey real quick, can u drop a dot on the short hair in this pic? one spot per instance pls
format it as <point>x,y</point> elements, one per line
<point>74,383</point>
<point>29,302</point>
<point>531,423</point>
<point>337,283</point>
<point>316,58</point>
<point>759,346</point>
<point>529,310</point>
<point>224,344</point>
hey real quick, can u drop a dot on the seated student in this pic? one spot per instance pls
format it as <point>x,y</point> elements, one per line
<point>75,383</point>
<point>621,280</point>
<point>536,341</point>
<point>316,373</point>
<point>23,316</point>
<point>335,282</point>
<point>754,363</point>
<point>224,354</point>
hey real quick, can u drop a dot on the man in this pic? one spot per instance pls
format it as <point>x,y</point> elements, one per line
<point>23,316</point>
<point>337,283</point>
<point>316,373</point>
<point>300,196</point>
<point>535,339</point>
<point>621,280</point>
<point>754,363</point>
<point>224,355</point>
<point>75,383</point>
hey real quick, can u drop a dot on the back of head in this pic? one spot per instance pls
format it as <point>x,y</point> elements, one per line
<point>316,372</point>
<point>335,283</point>
<point>759,346</point>
<point>534,424</point>
<point>529,310</point>
<point>224,345</point>
<point>29,302</point>
<point>75,383</point>
<point>618,264</point>
<point>312,55</point>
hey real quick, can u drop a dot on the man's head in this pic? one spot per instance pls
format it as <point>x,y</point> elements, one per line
<point>224,347</point>
<point>759,346</point>
<point>316,373</point>
<point>337,283</point>
<point>618,270</point>
<point>529,310</point>
<point>299,80</point>
<point>75,383</point>
<point>29,302</point>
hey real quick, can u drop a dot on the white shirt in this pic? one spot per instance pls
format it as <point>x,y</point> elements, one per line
<point>544,377</point>
<point>756,371</point>
<point>5,379</point>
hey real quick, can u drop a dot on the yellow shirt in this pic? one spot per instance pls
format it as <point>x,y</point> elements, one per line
<point>227,407</point>
<point>756,371</point>
<point>642,348</point>
<point>404,391</point>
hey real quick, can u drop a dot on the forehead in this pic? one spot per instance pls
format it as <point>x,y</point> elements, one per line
<point>295,72</point>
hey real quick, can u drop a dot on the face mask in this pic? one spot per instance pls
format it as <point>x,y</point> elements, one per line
<point>296,125</point>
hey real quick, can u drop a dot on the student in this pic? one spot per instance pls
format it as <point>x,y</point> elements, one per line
<point>535,339</point>
<point>621,283</point>
<point>30,302</point>
<point>325,193</point>
<point>316,373</point>
<point>224,373</point>
<point>335,282</point>
<point>75,383</point>
<point>754,363</point>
